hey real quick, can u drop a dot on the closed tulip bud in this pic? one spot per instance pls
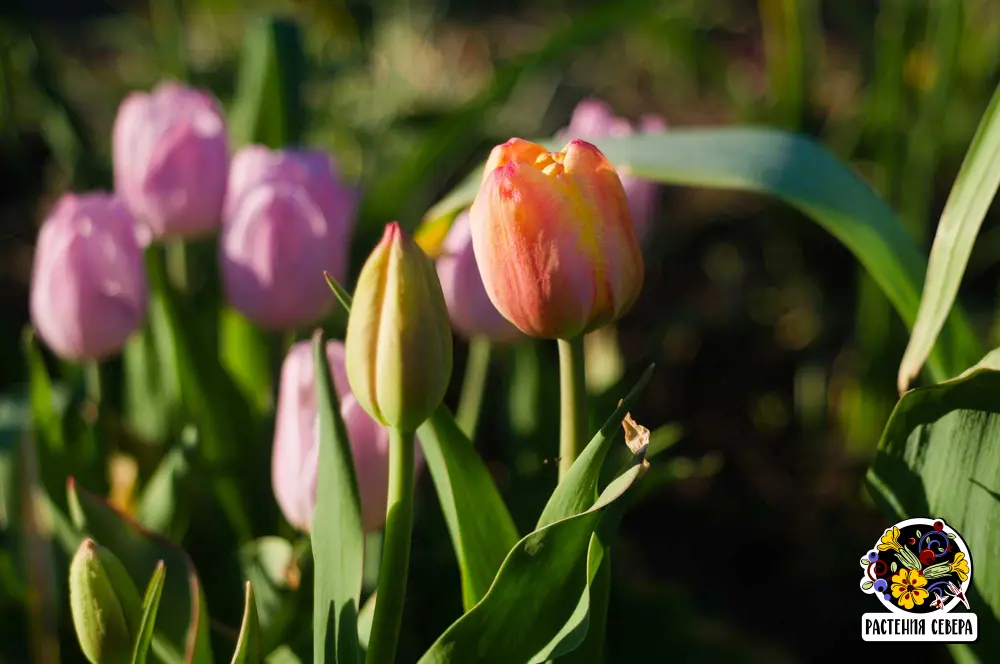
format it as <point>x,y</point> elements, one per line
<point>469,306</point>
<point>104,604</point>
<point>287,219</point>
<point>593,119</point>
<point>171,157</point>
<point>398,342</point>
<point>296,434</point>
<point>553,238</point>
<point>88,282</point>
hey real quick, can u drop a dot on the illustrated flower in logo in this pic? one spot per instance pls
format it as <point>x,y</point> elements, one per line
<point>918,566</point>
<point>908,588</point>
<point>890,540</point>
<point>960,566</point>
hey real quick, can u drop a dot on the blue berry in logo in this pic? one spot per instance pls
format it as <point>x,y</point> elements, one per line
<point>880,586</point>
<point>872,556</point>
<point>888,597</point>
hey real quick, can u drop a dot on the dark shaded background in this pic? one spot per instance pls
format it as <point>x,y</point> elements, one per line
<point>776,356</point>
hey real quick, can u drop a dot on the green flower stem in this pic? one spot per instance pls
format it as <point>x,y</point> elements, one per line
<point>177,264</point>
<point>92,381</point>
<point>395,551</point>
<point>573,402</point>
<point>477,369</point>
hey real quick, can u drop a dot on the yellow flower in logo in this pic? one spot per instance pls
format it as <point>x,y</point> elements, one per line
<point>960,566</point>
<point>889,540</point>
<point>908,588</point>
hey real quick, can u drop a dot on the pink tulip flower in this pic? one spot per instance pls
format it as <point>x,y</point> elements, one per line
<point>88,283</point>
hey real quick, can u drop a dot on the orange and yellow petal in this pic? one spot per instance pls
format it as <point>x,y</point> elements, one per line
<point>919,595</point>
<point>516,149</point>
<point>917,579</point>
<point>906,601</point>
<point>533,270</point>
<point>898,589</point>
<point>901,576</point>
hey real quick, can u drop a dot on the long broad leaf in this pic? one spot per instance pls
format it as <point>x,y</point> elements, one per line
<point>181,632</point>
<point>961,220</point>
<point>337,536</point>
<point>576,493</point>
<point>150,605</point>
<point>796,170</point>
<point>482,530</point>
<point>536,591</point>
<point>940,457</point>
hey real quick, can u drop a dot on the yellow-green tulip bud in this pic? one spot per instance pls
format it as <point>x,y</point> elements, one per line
<point>398,344</point>
<point>105,605</point>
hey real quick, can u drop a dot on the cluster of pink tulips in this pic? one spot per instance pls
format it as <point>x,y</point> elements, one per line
<point>284,217</point>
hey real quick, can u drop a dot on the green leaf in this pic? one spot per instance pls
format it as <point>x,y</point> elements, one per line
<point>365,619</point>
<point>536,592</point>
<point>181,631</point>
<point>337,536</point>
<point>268,563</point>
<point>163,506</point>
<point>150,604</point>
<point>801,173</point>
<point>45,418</point>
<point>867,584</point>
<point>960,222</point>
<point>893,566</point>
<point>246,356</point>
<point>268,107</point>
<point>482,530</point>
<point>342,295</point>
<point>940,455</point>
<point>151,391</point>
<point>248,645</point>
<point>209,396</point>
<point>578,490</point>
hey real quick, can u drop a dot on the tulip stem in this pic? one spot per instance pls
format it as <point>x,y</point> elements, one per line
<point>477,369</point>
<point>92,381</point>
<point>177,264</point>
<point>395,551</point>
<point>573,402</point>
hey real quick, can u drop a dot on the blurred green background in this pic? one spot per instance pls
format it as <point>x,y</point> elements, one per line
<point>776,356</point>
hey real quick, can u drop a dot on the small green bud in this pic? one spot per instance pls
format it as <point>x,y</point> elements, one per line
<point>105,605</point>
<point>398,347</point>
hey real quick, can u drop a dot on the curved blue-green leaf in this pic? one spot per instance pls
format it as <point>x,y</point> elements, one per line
<point>536,592</point>
<point>794,169</point>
